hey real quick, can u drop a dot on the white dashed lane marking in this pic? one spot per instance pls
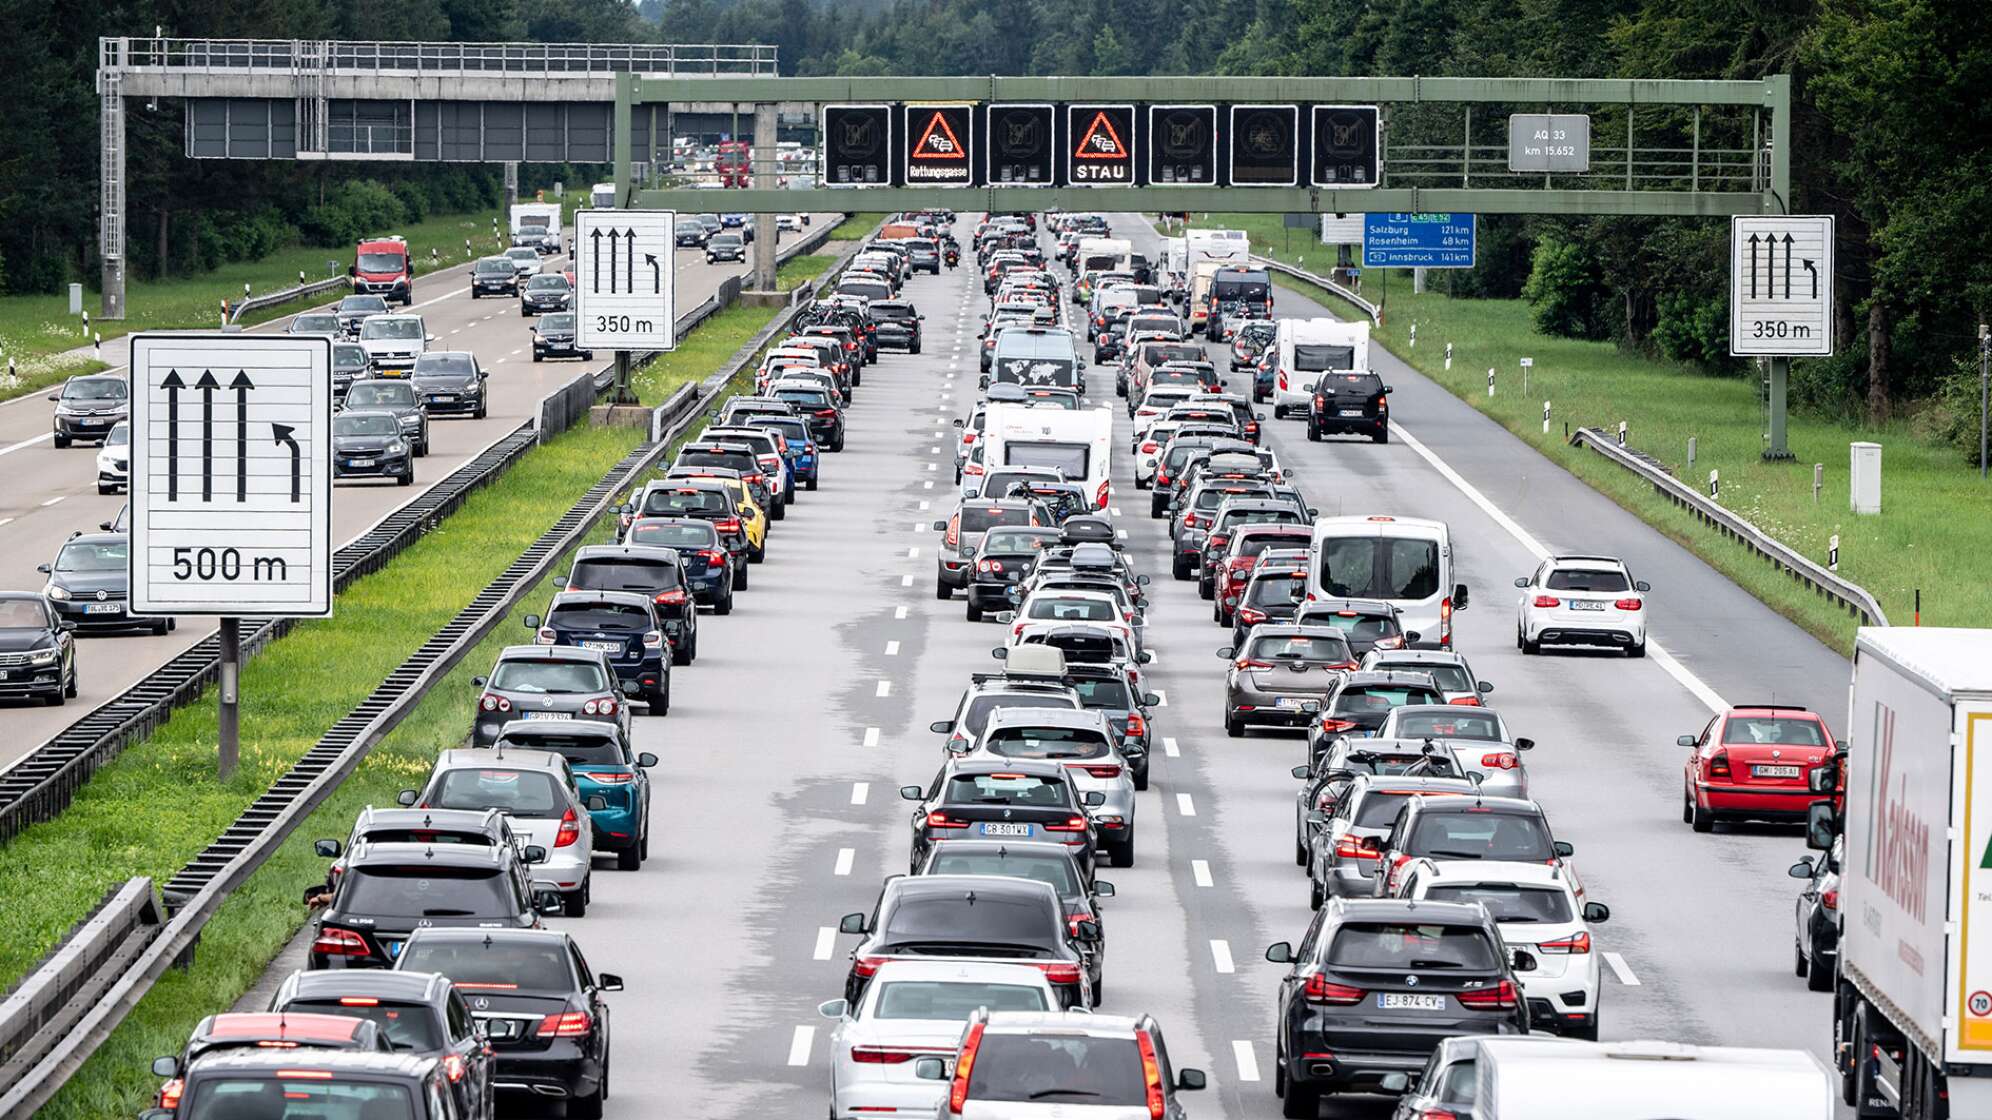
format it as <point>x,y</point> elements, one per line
<point>859,792</point>
<point>1200,871</point>
<point>805,1037</point>
<point>826,940</point>
<point>845,858</point>
<point>1186,806</point>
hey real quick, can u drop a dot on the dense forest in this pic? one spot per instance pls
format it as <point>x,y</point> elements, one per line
<point>1889,136</point>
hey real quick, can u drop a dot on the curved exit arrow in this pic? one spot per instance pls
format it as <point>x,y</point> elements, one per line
<point>283,436</point>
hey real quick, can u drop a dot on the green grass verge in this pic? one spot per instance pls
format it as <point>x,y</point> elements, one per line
<point>857,227</point>
<point>1916,542</point>
<point>256,921</point>
<point>801,270</point>
<point>38,331</point>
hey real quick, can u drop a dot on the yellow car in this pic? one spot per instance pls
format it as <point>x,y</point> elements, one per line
<point>753,520</point>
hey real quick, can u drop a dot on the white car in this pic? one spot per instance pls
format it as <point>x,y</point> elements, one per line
<point>114,459</point>
<point>788,223</point>
<point>1159,400</point>
<point>1478,736</point>
<point>1583,601</point>
<point>1096,608</point>
<point>1448,668</point>
<point>918,1009</point>
<point>1148,452</point>
<point>395,341</point>
<point>525,259</point>
<point>1536,908</point>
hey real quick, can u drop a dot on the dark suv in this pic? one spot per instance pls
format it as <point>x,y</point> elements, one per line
<point>389,890</point>
<point>1350,402</point>
<point>1376,985</point>
<point>547,682</point>
<point>281,1082</point>
<point>622,624</point>
<point>647,570</point>
<point>420,1014</point>
<point>898,324</point>
<point>37,649</point>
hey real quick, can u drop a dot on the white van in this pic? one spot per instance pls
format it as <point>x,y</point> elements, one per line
<point>1532,1077</point>
<point>1078,442</point>
<point>1308,348</point>
<point>1404,561</point>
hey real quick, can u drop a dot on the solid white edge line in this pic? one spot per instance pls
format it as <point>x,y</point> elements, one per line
<point>845,858</point>
<point>1622,970</point>
<point>1247,1059</point>
<point>1200,871</point>
<point>1220,955</point>
<point>799,1046</point>
<point>826,941</point>
<point>53,500</point>
<point>42,438</point>
<point>1669,664</point>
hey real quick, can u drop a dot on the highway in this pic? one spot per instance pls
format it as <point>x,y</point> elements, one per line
<point>776,810</point>
<point>55,492</point>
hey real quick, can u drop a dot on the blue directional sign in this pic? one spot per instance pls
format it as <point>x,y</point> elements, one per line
<point>1418,240</point>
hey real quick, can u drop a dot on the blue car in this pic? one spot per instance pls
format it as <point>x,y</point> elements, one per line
<point>623,625</point>
<point>732,221</point>
<point>604,767</point>
<point>803,455</point>
<point>706,565</point>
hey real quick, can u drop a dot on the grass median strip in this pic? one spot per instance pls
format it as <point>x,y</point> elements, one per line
<point>255,922</point>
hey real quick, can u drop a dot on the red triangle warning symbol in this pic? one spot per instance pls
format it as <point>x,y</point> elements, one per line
<point>1100,140</point>
<point>939,141</point>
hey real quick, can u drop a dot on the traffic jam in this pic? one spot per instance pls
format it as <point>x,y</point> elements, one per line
<point>1105,474</point>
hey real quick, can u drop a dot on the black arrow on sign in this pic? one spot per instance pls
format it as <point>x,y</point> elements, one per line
<point>241,385</point>
<point>614,241</point>
<point>283,433</point>
<point>172,385</point>
<point>1753,266</point>
<point>207,385</point>
<point>1787,274</point>
<point>629,265</point>
<point>595,283</point>
<point>1809,267</point>
<point>657,273</point>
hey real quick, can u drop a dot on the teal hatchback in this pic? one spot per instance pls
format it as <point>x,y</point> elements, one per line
<point>604,767</point>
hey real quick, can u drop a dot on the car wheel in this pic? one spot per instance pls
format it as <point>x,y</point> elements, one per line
<point>1383,436</point>
<point>1158,505</point>
<point>69,690</point>
<point>406,478</point>
<point>1180,567</point>
<point>162,627</point>
<point>724,604</point>
<point>1216,611</point>
<point>1139,484</point>
<point>942,591</point>
<point>1818,978</point>
<point>589,1107</point>
<point>1121,854</point>
<point>1279,412</point>
<point>422,449</point>
<point>1206,589</point>
<point>811,484</point>
<point>55,699</point>
<point>740,578</point>
<point>1301,1102</point>
<point>1314,896</point>
<point>479,414</point>
<point>536,355</point>
<point>1700,819</point>
<point>1799,965</point>
<point>576,903</point>
<point>974,612</point>
<point>106,488</point>
<point>630,858</point>
<point>1313,433</point>
<point>1234,727</point>
<point>681,655</point>
<point>778,511</point>
<point>1299,847</point>
<point>913,349</point>
<point>473,293</point>
<point>660,698</point>
<point>1141,778</point>
<point>1529,646</point>
<point>1636,650</point>
<point>643,843</point>
<point>1586,1030</point>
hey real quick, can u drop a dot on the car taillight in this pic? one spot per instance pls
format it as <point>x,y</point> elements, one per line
<point>938,819</point>
<point>605,706</point>
<point>653,639</point>
<point>1320,401</point>
<point>1136,726</point>
<point>1283,381</point>
<point>1103,495</point>
<point>1218,540</point>
<point>1331,725</point>
<point>1151,1074</point>
<point>566,1024</point>
<point>1548,601</point>
<point>1628,604</point>
<point>712,555</point>
<point>867,966</point>
<point>827,413</point>
<point>570,830</point>
<point>493,703</point>
<point>754,479</point>
<point>1575,943</point>
<point>1500,997</point>
<point>546,636</point>
<point>454,1067</point>
<point>1251,663</point>
<point>1467,701</point>
<point>1830,899</point>
<point>1100,771</point>
<point>1718,765</point>
<point>1069,824</point>
<point>1251,616</point>
<point>1501,760</point>
<point>1059,972</point>
<point>1073,919</point>
<point>954,530</point>
<point>989,567</point>
<point>727,525</point>
<point>1319,990</point>
<point>335,942</point>
<point>672,598</point>
<point>1395,642</point>
<point>1150,447</point>
<point>610,777</point>
<point>882,1055</point>
<point>958,1091</point>
<point>1192,521</point>
<point>169,1093</point>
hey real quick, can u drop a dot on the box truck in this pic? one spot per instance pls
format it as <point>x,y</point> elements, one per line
<point>1913,1003</point>
<point>536,225</point>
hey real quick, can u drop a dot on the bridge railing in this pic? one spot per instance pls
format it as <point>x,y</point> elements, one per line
<point>234,56</point>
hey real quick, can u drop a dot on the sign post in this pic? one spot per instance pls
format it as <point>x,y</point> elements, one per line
<point>623,284</point>
<point>231,487</point>
<point>1780,299</point>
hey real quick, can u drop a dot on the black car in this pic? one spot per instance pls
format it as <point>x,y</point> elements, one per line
<point>1007,554</point>
<point>1375,985</point>
<point>87,408</point>
<point>88,584</point>
<point>546,292</point>
<point>252,1030</point>
<point>622,624</point>
<point>546,682</point>
<point>554,337</point>
<point>421,1014</point>
<point>494,276</point>
<point>706,499</point>
<point>649,570</point>
<point>451,381</point>
<point>37,650</point>
<point>1108,342</point>
<point>349,364</point>
<point>1106,689</point>
<point>898,325</point>
<point>540,1005</point>
<point>283,1082</point>
<point>398,398</point>
<point>927,916</point>
<point>689,232</point>
<point>1273,594</point>
<point>1002,798</point>
<point>725,247</point>
<point>702,556</point>
<point>1362,700</point>
<point>369,444</point>
<point>355,308</point>
<point>1078,891</point>
<point>387,891</point>
<point>826,420</point>
<point>1349,402</point>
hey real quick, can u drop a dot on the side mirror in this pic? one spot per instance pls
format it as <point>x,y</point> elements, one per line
<point>42,568</point>
<point>55,396</point>
<point>1685,740</point>
<point>406,797</point>
<point>851,923</point>
<point>534,853</point>
<point>1005,616</point>
<point>940,526</point>
<point>1138,620</point>
<point>1103,889</point>
<point>912,793</point>
<point>351,270</point>
<point>930,1069</point>
<point>596,803</point>
<point>1483,686</point>
<point>531,621</point>
<point>1521,581</point>
<point>1820,826</point>
<point>1641,585</point>
<point>327,848</point>
<point>480,681</point>
<point>646,760</point>
<point>1523,743</point>
<point>1190,1080</point>
<point>608,982</point>
<point>957,420</point>
<point>1395,1083</point>
<point>1086,931</point>
<point>1280,952</point>
<point>1227,652</point>
<point>1149,699</point>
<point>832,1009</point>
<point>1564,848</point>
<point>1411,637</point>
<point>168,1066</point>
<point>1524,960</point>
<point>548,903</point>
<point>68,627</point>
<point>1000,653</point>
<point>1302,772</point>
<point>1094,799</point>
<point>941,726</point>
<point>1597,912</point>
<point>1312,512</point>
<point>1459,596</point>
<point>1145,657</point>
<point>1389,389</point>
<point>1141,581</point>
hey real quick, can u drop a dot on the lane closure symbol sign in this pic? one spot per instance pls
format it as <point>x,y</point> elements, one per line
<point>623,279</point>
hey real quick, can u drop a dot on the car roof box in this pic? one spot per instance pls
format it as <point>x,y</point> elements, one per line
<point>1035,660</point>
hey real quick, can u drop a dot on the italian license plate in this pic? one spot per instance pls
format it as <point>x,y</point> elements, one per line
<point>103,608</point>
<point>1775,771</point>
<point>549,715</point>
<point>1005,829</point>
<point>361,462</point>
<point>1582,605</point>
<point>609,647</point>
<point>1410,1001</point>
<point>1352,412</point>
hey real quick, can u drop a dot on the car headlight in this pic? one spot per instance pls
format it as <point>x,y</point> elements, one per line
<point>43,656</point>
<point>397,447</point>
<point>57,591</point>
<point>411,421</point>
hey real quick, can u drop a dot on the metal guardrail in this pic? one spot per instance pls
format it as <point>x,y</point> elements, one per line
<point>44,1006</point>
<point>1339,290</point>
<point>273,299</point>
<point>227,56</point>
<point>1846,594</point>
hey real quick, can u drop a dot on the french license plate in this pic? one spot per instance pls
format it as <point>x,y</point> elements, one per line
<point>361,462</point>
<point>1005,829</point>
<point>1352,412</point>
<point>1774,771</point>
<point>1410,1001</point>
<point>549,715</point>
<point>610,647</point>
<point>103,608</point>
<point>1583,605</point>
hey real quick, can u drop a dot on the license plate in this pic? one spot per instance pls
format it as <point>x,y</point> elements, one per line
<point>1774,771</point>
<point>549,715</point>
<point>1003,829</point>
<point>441,398</point>
<point>103,608</point>
<point>1581,605</point>
<point>1410,1001</point>
<point>1290,703</point>
<point>1352,412</point>
<point>610,647</point>
<point>361,462</point>
<point>500,1029</point>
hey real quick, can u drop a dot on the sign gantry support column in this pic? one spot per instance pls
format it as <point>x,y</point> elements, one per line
<point>767,229</point>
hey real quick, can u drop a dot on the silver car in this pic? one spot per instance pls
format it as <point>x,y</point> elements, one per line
<point>1064,1065</point>
<point>1282,675</point>
<point>537,790</point>
<point>1449,670</point>
<point>1479,737</point>
<point>1086,745</point>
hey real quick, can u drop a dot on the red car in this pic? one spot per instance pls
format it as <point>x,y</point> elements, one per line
<point>1753,763</point>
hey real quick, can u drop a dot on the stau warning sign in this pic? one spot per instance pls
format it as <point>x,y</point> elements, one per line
<point>1102,149</point>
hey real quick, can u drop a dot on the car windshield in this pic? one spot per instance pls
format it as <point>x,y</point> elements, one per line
<point>105,556</point>
<point>1508,902</point>
<point>1300,647</point>
<point>1018,540</point>
<point>347,355</point>
<point>726,241</point>
<point>1321,358</point>
<point>1374,698</point>
<point>1252,544</point>
<point>978,519</point>
<point>119,435</point>
<point>540,964</point>
<point>1276,589</point>
<point>1000,917</point>
<point>1062,1068</point>
<point>684,501</point>
<point>795,431</point>
<point>1399,946</point>
<point>811,398</point>
<point>579,750</point>
<point>306,324</point>
<point>95,389</point>
<point>355,304</point>
<point>406,1026</point>
<point>599,616</point>
<point>1047,742</point>
<point>1587,579</point>
<point>523,256</point>
<point>496,266</point>
<point>952,999</point>
<point>425,890</point>
<point>22,614</point>
<point>1007,789</point>
<point>455,364</point>
<point>374,424</point>
<point>381,262</point>
<point>551,282</point>
<point>382,327</point>
<point>1104,693</point>
<point>1774,729</point>
<point>522,793</point>
<point>1350,384</point>
<point>550,324</point>
<point>1365,628</point>
<point>380,393</point>
<point>548,677</point>
<point>317,1098</point>
<point>1072,610</point>
<point>1370,567</point>
<point>1465,725</point>
<point>1476,833</point>
<point>674,534</point>
<point>1449,678</point>
<point>647,576</point>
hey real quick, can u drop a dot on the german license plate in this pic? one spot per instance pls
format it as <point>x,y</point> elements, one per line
<point>103,608</point>
<point>441,398</point>
<point>1775,771</point>
<point>1003,829</point>
<point>500,1029</point>
<point>609,647</point>
<point>1586,605</point>
<point>361,462</point>
<point>1289,703</point>
<point>549,715</point>
<point>1352,412</point>
<point>1410,1001</point>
